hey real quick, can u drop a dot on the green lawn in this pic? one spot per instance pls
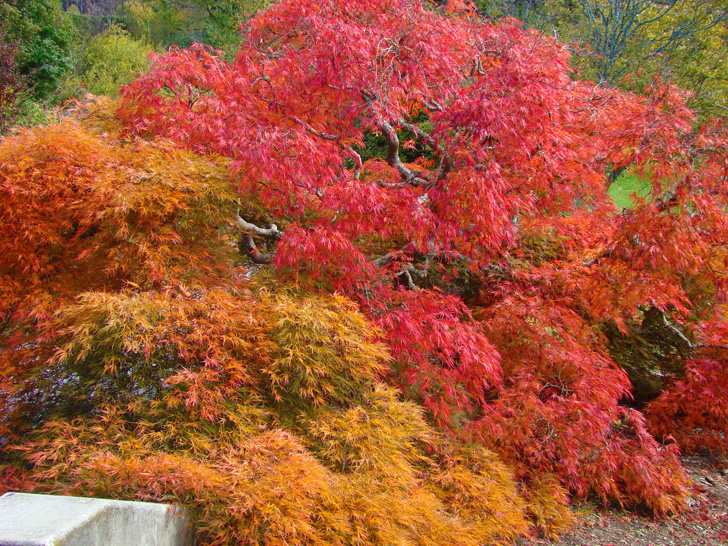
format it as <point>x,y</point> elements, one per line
<point>627,184</point>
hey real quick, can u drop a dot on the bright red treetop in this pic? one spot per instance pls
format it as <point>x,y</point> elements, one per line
<point>412,160</point>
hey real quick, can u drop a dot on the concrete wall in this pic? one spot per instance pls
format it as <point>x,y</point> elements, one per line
<point>49,520</point>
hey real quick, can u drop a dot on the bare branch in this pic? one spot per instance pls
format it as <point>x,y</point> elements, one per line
<point>408,279</point>
<point>357,160</point>
<point>410,177</point>
<point>271,232</point>
<point>408,249</point>
<point>690,345</point>
<point>330,137</point>
<point>407,268</point>
<point>677,332</point>
<point>432,106</point>
<point>614,28</point>
<point>325,136</point>
<point>254,253</point>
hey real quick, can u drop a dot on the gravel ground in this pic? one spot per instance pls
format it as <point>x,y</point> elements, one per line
<point>704,524</point>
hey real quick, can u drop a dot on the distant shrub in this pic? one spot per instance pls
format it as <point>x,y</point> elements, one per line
<point>113,59</point>
<point>13,84</point>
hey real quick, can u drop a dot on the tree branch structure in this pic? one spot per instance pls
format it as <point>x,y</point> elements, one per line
<point>409,176</point>
<point>271,233</point>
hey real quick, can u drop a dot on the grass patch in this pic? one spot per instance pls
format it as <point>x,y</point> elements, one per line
<point>625,186</point>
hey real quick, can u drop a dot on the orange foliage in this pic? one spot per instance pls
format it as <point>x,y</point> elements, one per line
<point>262,413</point>
<point>82,211</point>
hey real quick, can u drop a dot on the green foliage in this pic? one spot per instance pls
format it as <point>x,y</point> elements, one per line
<point>221,19</point>
<point>45,36</point>
<point>32,113</point>
<point>629,43</point>
<point>13,85</point>
<point>625,186</point>
<point>112,59</point>
<point>215,23</point>
<point>531,12</point>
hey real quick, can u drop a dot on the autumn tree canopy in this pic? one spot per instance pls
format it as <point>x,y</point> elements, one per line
<point>238,260</point>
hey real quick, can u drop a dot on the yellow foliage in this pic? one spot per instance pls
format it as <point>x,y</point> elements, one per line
<point>474,484</point>
<point>323,356</point>
<point>381,435</point>
<point>698,63</point>
<point>211,345</point>
<point>685,44</point>
<point>548,506</point>
<point>262,413</point>
<point>113,59</point>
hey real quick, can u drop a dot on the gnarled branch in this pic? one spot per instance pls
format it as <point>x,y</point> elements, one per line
<point>326,136</point>
<point>252,251</point>
<point>271,233</point>
<point>410,177</point>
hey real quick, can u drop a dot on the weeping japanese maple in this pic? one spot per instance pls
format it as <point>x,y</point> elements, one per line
<point>420,160</point>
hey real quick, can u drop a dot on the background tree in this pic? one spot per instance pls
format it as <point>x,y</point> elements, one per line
<point>628,43</point>
<point>112,59</point>
<point>532,12</point>
<point>165,23</point>
<point>13,85</point>
<point>696,62</point>
<point>619,30</point>
<point>45,39</point>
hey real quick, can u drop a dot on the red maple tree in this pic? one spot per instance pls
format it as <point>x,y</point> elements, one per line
<point>450,175</point>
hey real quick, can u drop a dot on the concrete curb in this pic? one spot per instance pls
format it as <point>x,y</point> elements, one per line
<point>50,520</point>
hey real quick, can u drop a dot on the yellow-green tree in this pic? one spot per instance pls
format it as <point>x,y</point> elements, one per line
<point>621,35</point>
<point>112,59</point>
<point>215,23</point>
<point>699,61</point>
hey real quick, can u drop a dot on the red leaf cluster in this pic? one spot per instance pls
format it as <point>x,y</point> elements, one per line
<point>505,206</point>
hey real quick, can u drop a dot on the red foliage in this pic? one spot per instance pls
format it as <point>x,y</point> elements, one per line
<point>505,205</point>
<point>694,409</point>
